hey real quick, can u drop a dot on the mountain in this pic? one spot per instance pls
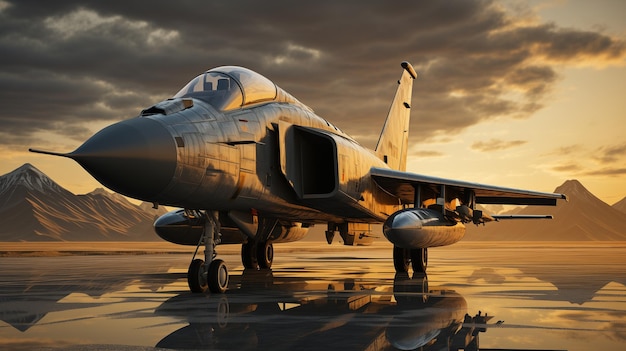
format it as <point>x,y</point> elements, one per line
<point>583,217</point>
<point>620,205</point>
<point>35,208</point>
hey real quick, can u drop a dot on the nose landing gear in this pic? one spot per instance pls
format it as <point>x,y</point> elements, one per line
<point>209,274</point>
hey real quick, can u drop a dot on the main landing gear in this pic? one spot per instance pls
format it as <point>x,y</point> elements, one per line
<point>211,273</point>
<point>255,255</point>
<point>417,258</point>
<point>258,253</point>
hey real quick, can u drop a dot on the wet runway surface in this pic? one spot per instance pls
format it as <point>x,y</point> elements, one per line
<point>512,296</point>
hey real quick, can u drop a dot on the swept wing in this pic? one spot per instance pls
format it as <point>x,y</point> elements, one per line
<point>404,185</point>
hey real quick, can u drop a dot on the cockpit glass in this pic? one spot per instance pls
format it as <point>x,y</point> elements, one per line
<point>256,88</point>
<point>217,89</point>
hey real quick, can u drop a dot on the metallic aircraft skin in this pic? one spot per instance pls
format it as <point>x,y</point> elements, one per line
<point>273,155</point>
<point>251,164</point>
<point>202,158</point>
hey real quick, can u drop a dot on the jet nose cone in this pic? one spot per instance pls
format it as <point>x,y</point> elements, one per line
<point>136,157</point>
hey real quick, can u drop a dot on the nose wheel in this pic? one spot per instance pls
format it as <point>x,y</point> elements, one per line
<point>209,274</point>
<point>197,277</point>
<point>214,280</point>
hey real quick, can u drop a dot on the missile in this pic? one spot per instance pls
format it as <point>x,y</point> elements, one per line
<point>417,228</point>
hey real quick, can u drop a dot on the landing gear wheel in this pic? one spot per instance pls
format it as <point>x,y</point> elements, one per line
<point>419,260</point>
<point>248,256</point>
<point>217,276</point>
<point>401,259</point>
<point>196,277</point>
<point>265,254</point>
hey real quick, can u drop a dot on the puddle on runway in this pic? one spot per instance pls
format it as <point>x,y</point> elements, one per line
<point>529,296</point>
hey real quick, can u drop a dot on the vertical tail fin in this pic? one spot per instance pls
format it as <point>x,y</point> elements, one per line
<point>394,138</point>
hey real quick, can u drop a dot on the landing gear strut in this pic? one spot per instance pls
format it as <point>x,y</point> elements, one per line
<point>211,273</point>
<point>417,258</point>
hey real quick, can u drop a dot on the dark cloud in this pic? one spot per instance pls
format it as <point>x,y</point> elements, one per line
<point>566,150</point>
<point>609,157</point>
<point>65,63</point>
<point>496,145</point>
<point>611,171</point>
<point>568,168</point>
<point>427,153</point>
<point>610,154</point>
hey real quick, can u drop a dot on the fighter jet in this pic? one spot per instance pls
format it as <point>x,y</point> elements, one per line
<point>248,163</point>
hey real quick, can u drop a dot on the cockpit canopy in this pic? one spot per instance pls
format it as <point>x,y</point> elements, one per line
<point>230,87</point>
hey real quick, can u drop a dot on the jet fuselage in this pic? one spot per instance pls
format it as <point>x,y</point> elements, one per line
<point>201,158</point>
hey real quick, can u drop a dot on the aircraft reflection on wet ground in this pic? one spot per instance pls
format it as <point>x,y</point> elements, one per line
<point>343,316</point>
<point>558,298</point>
<point>261,311</point>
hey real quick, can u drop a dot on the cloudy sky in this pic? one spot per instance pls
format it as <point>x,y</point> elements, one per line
<point>523,93</point>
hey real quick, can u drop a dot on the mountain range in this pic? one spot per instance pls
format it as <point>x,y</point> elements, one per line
<point>583,217</point>
<point>620,205</point>
<point>35,208</point>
